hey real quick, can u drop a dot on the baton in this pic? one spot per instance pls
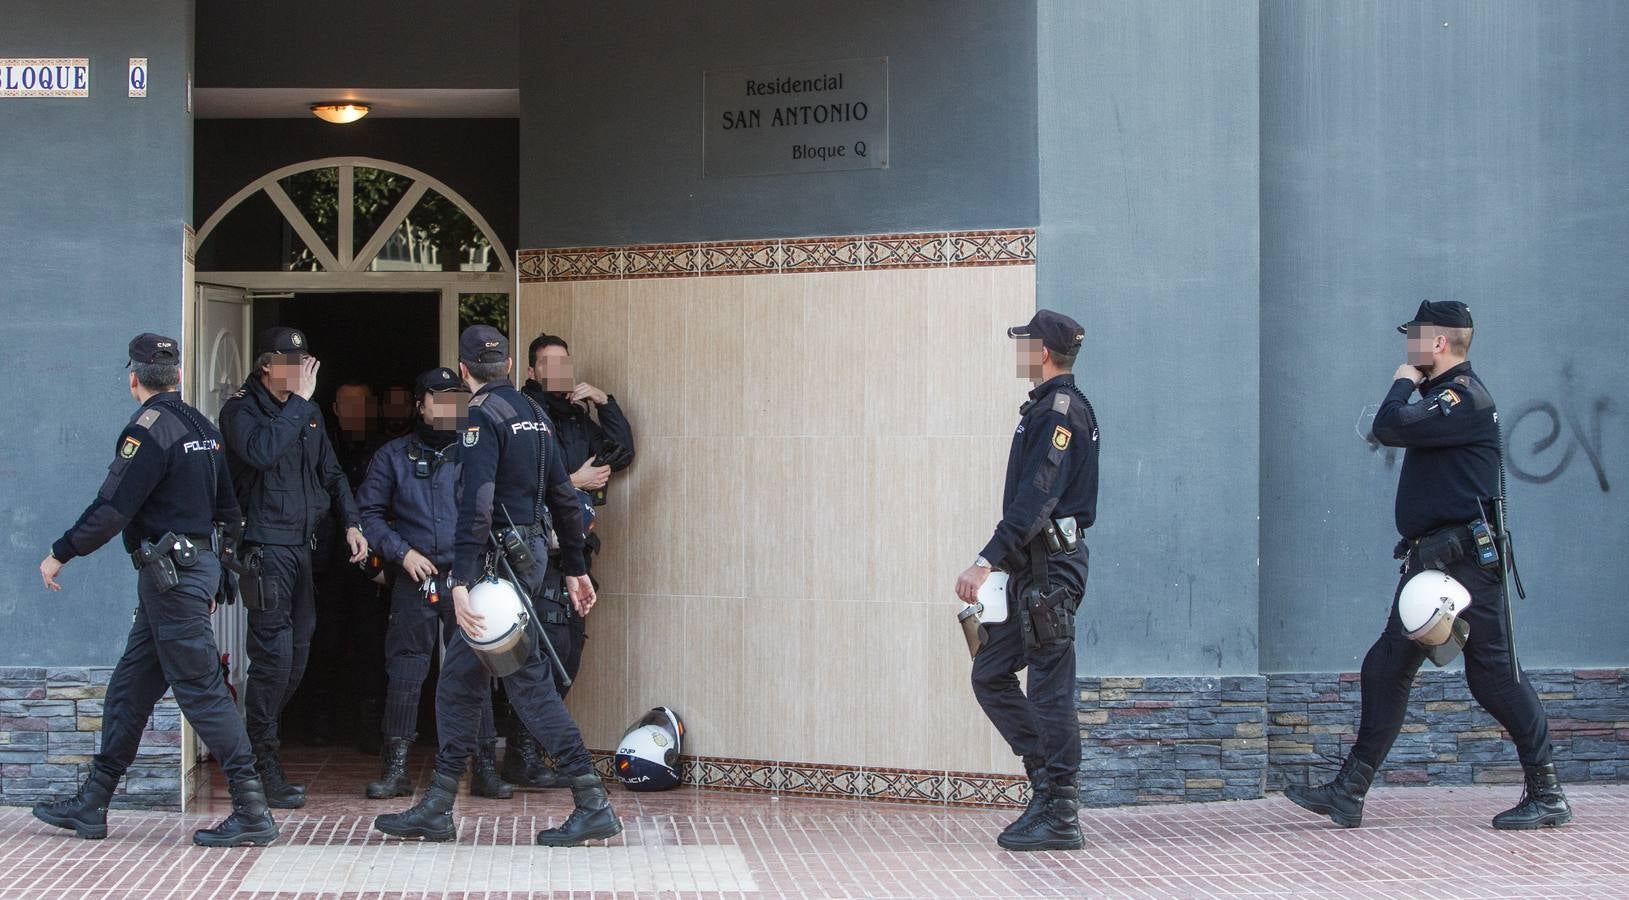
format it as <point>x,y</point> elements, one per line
<point>1505,563</point>
<point>526,600</point>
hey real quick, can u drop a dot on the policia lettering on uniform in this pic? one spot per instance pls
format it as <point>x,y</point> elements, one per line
<point>1049,499</point>
<point>167,491</point>
<point>1448,514</point>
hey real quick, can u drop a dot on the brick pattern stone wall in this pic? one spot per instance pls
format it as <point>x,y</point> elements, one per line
<point>51,724</point>
<point>1172,739</point>
<point>1447,738</point>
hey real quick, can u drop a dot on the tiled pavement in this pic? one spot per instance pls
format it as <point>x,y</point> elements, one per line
<point>1416,842</point>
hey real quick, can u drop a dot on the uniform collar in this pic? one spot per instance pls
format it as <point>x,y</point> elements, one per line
<point>493,385</point>
<point>153,400</point>
<point>1463,368</point>
<point>1051,384</point>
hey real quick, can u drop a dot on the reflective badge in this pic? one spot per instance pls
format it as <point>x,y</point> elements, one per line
<point>471,435</point>
<point>1060,438</point>
<point>129,447</point>
<point>1447,400</point>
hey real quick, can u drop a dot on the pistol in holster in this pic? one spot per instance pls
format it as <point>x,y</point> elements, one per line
<point>245,566</point>
<point>1045,610</point>
<point>159,562</point>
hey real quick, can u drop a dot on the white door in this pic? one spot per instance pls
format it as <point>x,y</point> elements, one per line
<point>220,362</point>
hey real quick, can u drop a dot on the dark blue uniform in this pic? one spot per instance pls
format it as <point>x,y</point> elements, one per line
<point>1450,475</point>
<point>402,511</point>
<point>168,476</point>
<point>502,473</point>
<point>287,479</point>
<point>1051,474</point>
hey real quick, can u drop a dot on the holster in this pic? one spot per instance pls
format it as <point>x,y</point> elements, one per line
<point>245,565</point>
<point>1437,549</point>
<point>1044,612</point>
<point>159,562</point>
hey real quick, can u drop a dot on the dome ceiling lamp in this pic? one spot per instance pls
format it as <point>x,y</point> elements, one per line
<point>340,112</point>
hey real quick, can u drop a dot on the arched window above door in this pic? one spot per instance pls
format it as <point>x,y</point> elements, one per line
<point>348,215</point>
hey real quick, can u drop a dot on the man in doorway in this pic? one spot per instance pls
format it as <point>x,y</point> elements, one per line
<point>409,505</point>
<point>1451,474</point>
<point>286,477</point>
<point>595,441</point>
<point>168,491</point>
<point>1049,501</point>
<point>512,473</point>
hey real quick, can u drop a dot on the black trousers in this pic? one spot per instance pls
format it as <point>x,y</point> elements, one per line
<point>1041,727</point>
<point>279,639</point>
<point>532,692</point>
<point>413,635</point>
<point>172,646</point>
<point>1389,667</point>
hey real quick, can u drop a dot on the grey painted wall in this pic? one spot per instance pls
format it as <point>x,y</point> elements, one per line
<point>611,119</point>
<point>357,43</point>
<point>1463,150</point>
<point>96,191</point>
<point>1148,235</point>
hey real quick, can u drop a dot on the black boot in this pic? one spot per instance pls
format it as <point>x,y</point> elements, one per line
<point>279,793</point>
<point>591,820</point>
<point>1542,805</point>
<point>483,772</point>
<point>394,781</point>
<point>1342,799</point>
<point>1040,791</point>
<point>86,811</point>
<point>430,818</point>
<point>250,823</point>
<point>1056,828</point>
<point>525,767</point>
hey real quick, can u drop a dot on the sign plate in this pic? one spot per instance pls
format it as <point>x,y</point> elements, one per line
<point>138,76</point>
<point>45,77</point>
<point>821,116</point>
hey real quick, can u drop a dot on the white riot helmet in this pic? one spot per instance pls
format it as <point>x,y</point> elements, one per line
<point>505,642</point>
<point>1429,609</point>
<point>648,756</point>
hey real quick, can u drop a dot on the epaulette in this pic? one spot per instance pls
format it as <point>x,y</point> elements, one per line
<point>1060,403</point>
<point>164,429</point>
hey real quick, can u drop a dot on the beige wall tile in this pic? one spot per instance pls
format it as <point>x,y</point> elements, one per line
<point>657,367</point>
<point>543,307</point>
<point>805,515</point>
<point>833,365</point>
<point>932,511</point>
<point>599,697</point>
<point>713,353</point>
<point>654,493</point>
<point>659,658</point>
<point>925,347</point>
<point>599,334</point>
<point>775,392</point>
<point>715,687</point>
<point>710,541</point>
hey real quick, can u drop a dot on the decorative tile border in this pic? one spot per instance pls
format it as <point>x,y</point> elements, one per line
<point>934,249</point>
<point>924,786</point>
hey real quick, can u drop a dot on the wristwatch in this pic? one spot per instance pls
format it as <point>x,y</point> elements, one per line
<point>983,563</point>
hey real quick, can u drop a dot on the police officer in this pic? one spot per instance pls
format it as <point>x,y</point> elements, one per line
<point>166,489</point>
<point>1450,475</point>
<point>506,479</point>
<point>595,441</point>
<point>1050,497</point>
<point>286,478</point>
<point>409,505</point>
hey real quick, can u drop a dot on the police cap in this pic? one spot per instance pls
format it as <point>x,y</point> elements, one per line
<point>280,339</point>
<point>1056,331</point>
<point>437,381</point>
<point>148,348</point>
<point>1443,313</point>
<point>482,344</point>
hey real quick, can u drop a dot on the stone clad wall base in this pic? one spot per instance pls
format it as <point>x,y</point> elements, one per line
<point>1178,739</point>
<point>51,725</point>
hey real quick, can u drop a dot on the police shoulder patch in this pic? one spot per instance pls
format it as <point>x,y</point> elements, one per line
<point>128,447</point>
<point>1061,437</point>
<point>472,434</point>
<point>1448,398</point>
<point>147,418</point>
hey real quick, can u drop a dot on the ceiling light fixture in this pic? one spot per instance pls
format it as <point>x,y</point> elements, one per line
<point>339,113</point>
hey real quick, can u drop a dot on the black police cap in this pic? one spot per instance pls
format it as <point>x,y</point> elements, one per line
<point>482,344</point>
<point>279,339</point>
<point>1443,313</point>
<point>148,348</point>
<point>437,381</point>
<point>1056,331</point>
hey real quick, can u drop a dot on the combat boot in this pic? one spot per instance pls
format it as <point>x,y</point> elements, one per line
<point>483,772</point>
<point>430,818</point>
<point>1542,804</point>
<point>394,781</point>
<point>522,761</point>
<point>1039,793</point>
<point>591,820</point>
<point>1056,828</point>
<point>279,793</point>
<point>1341,799</point>
<point>86,811</point>
<point>250,823</point>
